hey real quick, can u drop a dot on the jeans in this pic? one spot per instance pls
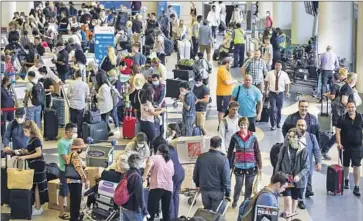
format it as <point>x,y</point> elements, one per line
<point>34,113</point>
<point>239,54</point>
<point>77,118</point>
<point>162,57</point>
<point>212,199</point>
<point>115,118</point>
<point>156,195</point>
<point>308,186</point>
<point>214,31</point>
<point>75,192</point>
<point>149,129</point>
<point>105,118</point>
<point>188,123</point>
<point>128,215</point>
<point>276,101</point>
<point>63,76</point>
<point>248,180</point>
<point>327,79</point>
<point>174,203</point>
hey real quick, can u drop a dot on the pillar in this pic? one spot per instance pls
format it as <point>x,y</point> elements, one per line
<point>281,15</point>
<point>335,28</point>
<point>24,6</point>
<point>359,57</point>
<point>302,24</point>
<point>7,12</point>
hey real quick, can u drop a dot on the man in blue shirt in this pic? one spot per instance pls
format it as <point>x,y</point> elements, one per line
<point>14,133</point>
<point>249,98</point>
<point>188,99</point>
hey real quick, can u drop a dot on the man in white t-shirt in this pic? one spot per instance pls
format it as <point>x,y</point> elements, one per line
<point>229,125</point>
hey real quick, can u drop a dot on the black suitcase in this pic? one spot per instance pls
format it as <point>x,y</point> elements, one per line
<point>265,115</point>
<point>21,204</point>
<point>51,124</point>
<point>172,87</point>
<point>59,107</point>
<point>184,74</point>
<point>5,194</point>
<point>97,131</point>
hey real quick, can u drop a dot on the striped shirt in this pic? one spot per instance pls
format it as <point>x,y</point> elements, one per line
<point>256,68</point>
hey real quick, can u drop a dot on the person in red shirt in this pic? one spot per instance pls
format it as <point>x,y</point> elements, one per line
<point>268,20</point>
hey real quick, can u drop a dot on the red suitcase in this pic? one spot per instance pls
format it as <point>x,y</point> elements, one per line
<point>129,123</point>
<point>335,178</point>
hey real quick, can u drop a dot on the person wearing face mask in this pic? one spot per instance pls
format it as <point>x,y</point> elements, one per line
<point>245,156</point>
<point>75,186</point>
<point>293,160</point>
<point>277,84</point>
<point>64,148</point>
<point>14,133</point>
<point>214,20</point>
<point>140,145</point>
<point>202,94</point>
<point>61,61</point>
<point>116,83</point>
<point>268,20</point>
<point>256,67</point>
<point>159,98</point>
<point>48,87</point>
<point>7,101</point>
<point>189,101</point>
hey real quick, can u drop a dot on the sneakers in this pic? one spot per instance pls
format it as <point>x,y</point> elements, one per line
<point>37,212</point>
<point>273,128</point>
<point>346,184</point>
<point>278,126</point>
<point>326,156</point>
<point>301,205</point>
<point>356,191</point>
<point>234,205</point>
<point>309,194</point>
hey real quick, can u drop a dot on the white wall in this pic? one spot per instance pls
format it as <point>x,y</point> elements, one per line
<point>302,24</point>
<point>281,15</point>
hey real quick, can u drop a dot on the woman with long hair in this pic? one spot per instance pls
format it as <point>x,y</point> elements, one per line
<point>35,158</point>
<point>109,62</point>
<point>161,169</point>
<point>7,101</point>
<point>172,132</point>
<point>103,96</point>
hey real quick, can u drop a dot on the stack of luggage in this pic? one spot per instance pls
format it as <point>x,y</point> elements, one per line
<point>93,126</point>
<point>184,72</point>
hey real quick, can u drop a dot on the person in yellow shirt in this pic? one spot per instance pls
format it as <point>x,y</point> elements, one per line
<point>225,85</point>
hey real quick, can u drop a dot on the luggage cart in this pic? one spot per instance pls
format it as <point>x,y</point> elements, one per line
<point>100,155</point>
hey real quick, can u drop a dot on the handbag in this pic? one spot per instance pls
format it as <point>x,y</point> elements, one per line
<point>257,184</point>
<point>357,99</point>
<point>20,178</point>
<point>70,171</point>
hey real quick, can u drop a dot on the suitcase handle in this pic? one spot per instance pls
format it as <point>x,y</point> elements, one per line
<point>340,158</point>
<point>193,202</point>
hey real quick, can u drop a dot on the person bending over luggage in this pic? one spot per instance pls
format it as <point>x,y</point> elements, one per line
<point>139,145</point>
<point>178,177</point>
<point>148,113</point>
<point>35,159</point>
<point>135,208</point>
<point>103,96</point>
<point>161,169</point>
<point>15,134</point>
<point>189,114</point>
<point>75,185</point>
<point>293,160</point>
<point>245,156</point>
<point>211,175</point>
<point>172,132</point>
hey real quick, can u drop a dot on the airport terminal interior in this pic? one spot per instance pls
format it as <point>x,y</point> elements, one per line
<point>335,24</point>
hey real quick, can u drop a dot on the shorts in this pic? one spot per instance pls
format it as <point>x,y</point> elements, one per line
<point>295,193</point>
<point>352,157</point>
<point>222,103</point>
<point>207,48</point>
<point>63,185</point>
<point>200,119</point>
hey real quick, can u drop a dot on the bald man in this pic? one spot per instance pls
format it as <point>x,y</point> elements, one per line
<point>249,98</point>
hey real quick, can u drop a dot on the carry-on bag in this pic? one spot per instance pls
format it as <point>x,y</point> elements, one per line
<point>335,177</point>
<point>58,105</point>
<point>324,118</point>
<point>21,204</point>
<point>185,75</point>
<point>97,131</point>
<point>128,125</point>
<point>172,87</point>
<point>52,171</point>
<point>265,115</point>
<point>50,124</point>
<point>93,114</point>
<point>21,179</point>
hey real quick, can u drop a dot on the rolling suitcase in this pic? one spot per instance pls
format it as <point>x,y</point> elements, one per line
<point>59,107</point>
<point>172,87</point>
<point>185,75</point>
<point>97,131</point>
<point>5,194</point>
<point>335,178</point>
<point>51,124</point>
<point>128,125</point>
<point>21,204</point>
<point>324,119</point>
<point>265,115</point>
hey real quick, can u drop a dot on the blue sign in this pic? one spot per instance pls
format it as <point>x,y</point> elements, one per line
<point>116,4</point>
<point>104,37</point>
<point>176,8</point>
<point>162,6</point>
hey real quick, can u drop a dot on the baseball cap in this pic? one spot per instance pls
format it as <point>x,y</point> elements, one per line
<point>19,112</point>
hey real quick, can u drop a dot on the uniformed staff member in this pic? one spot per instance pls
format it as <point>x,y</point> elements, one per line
<point>238,37</point>
<point>195,35</point>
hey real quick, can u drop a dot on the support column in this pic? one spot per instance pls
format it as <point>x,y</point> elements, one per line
<point>302,24</point>
<point>335,28</point>
<point>359,57</point>
<point>25,6</point>
<point>281,16</point>
<point>7,12</point>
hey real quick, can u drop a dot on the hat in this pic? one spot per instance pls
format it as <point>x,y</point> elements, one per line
<point>102,7</point>
<point>141,137</point>
<point>19,112</point>
<point>139,81</point>
<point>78,143</point>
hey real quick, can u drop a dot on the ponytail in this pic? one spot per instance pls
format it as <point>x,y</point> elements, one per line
<point>164,151</point>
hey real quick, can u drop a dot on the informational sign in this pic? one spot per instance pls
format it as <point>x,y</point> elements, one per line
<point>116,4</point>
<point>189,148</point>
<point>104,37</point>
<point>266,213</point>
<point>162,6</point>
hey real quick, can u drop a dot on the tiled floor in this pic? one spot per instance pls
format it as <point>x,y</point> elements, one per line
<point>321,207</point>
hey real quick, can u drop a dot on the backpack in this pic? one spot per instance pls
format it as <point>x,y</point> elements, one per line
<point>274,153</point>
<point>224,120</point>
<point>247,208</point>
<point>122,194</point>
<point>168,46</point>
<point>115,94</point>
<point>37,94</point>
<point>197,131</point>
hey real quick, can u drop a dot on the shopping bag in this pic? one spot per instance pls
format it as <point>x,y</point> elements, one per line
<point>20,178</point>
<point>357,99</point>
<point>257,185</point>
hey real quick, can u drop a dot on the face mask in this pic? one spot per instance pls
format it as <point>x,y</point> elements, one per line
<point>139,146</point>
<point>294,143</point>
<point>198,84</point>
<point>74,136</point>
<point>156,83</point>
<point>20,120</point>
